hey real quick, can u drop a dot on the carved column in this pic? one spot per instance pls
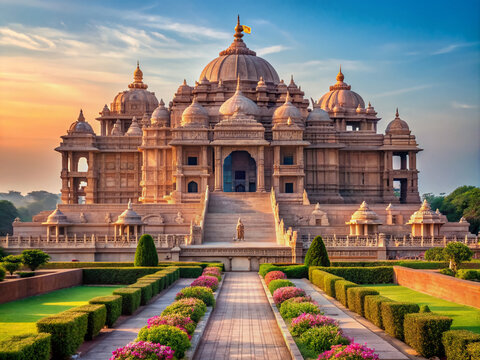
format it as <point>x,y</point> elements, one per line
<point>90,189</point>
<point>204,169</point>
<point>179,174</point>
<point>276,169</point>
<point>218,169</point>
<point>261,170</point>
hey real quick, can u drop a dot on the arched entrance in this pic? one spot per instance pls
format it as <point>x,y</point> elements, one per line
<point>239,172</point>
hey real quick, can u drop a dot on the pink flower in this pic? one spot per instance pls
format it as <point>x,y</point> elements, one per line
<point>274,275</point>
<point>285,293</point>
<point>353,351</point>
<point>143,350</point>
<point>206,281</point>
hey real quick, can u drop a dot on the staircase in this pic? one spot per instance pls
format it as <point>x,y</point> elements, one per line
<point>254,209</point>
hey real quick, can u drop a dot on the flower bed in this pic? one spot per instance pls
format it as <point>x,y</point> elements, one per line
<point>206,281</point>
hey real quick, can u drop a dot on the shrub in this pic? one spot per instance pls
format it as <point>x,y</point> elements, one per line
<point>160,281</point>
<point>302,323</point>
<point>143,350</point>
<point>25,274</point>
<point>206,281</point>
<point>113,305</point>
<point>317,253</point>
<point>393,314</point>
<point>435,254</point>
<point>296,271</point>
<point>146,291</point>
<point>198,292</point>
<point>320,339</point>
<point>190,271</point>
<point>341,287</point>
<point>274,275</point>
<point>153,284</point>
<point>215,275</point>
<point>352,351</point>
<point>146,253</point>
<point>447,271</point>
<point>12,263</point>
<point>213,269</point>
<point>2,273</point>
<point>68,331</point>
<point>423,332</point>
<point>424,309</point>
<point>34,258</point>
<point>455,343</point>
<point>182,322</point>
<point>97,316</point>
<point>456,253</point>
<point>301,299</point>
<point>329,284</point>
<point>115,276</point>
<point>277,284</point>
<point>130,299</point>
<point>194,308</point>
<point>264,269</point>
<point>373,308</point>
<point>356,298</point>
<point>363,275</point>
<point>291,309</point>
<point>318,278</point>
<point>285,293</point>
<point>468,274</point>
<point>26,347</point>
<point>166,335</point>
<point>473,350</point>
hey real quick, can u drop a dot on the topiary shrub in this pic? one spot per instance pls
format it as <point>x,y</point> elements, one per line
<point>393,314</point>
<point>182,322</point>
<point>198,292</point>
<point>130,299</point>
<point>320,339</point>
<point>26,347</point>
<point>341,287</point>
<point>447,271</point>
<point>291,309</point>
<point>329,284</point>
<point>424,309</point>
<point>146,291</point>
<point>68,331</point>
<point>435,254</point>
<point>285,293</point>
<point>25,274</point>
<point>194,308</point>
<point>143,350</point>
<point>468,274</point>
<point>274,275</point>
<point>277,284</point>
<point>190,271</point>
<point>456,253</point>
<point>206,281</point>
<point>146,253</point>
<point>97,316</point>
<point>455,343</point>
<point>302,323</point>
<point>33,258</point>
<point>113,305</point>
<point>373,309</point>
<point>356,298</point>
<point>166,335</point>
<point>12,263</point>
<point>473,350</point>
<point>317,253</point>
<point>423,332</point>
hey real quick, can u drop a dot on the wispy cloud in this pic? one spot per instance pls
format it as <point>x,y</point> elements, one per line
<point>404,90</point>
<point>328,64</point>
<point>452,47</point>
<point>458,105</point>
<point>27,41</point>
<point>271,49</point>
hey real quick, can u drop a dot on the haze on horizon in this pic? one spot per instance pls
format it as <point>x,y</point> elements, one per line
<point>57,57</point>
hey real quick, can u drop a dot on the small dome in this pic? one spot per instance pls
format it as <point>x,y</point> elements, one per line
<point>129,216</point>
<point>397,126</point>
<point>286,111</point>
<point>134,129</point>
<point>195,115</point>
<point>425,215</point>
<point>160,116</point>
<point>80,126</point>
<point>364,216</point>
<point>341,94</point>
<point>238,103</point>
<point>317,115</point>
<point>57,217</point>
<point>117,129</point>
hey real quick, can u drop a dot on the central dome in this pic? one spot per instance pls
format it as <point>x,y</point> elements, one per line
<point>239,61</point>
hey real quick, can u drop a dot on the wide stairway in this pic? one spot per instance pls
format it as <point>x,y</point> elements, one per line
<point>254,209</point>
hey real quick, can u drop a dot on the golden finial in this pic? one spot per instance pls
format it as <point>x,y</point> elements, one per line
<point>288,98</point>
<point>238,30</point>
<point>289,121</point>
<point>396,114</point>
<point>81,118</point>
<point>340,76</point>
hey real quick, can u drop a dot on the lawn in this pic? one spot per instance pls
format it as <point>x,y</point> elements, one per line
<point>19,317</point>
<point>464,317</point>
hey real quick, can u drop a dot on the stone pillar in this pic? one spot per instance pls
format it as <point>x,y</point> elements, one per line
<point>204,164</point>
<point>300,182</point>
<point>179,174</point>
<point>261,170</point>
<point>276,169</point>
<point>218,169</point>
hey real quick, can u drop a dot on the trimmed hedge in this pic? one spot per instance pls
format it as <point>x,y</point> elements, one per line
<point>318,278</point>
<point>473,350</point>
<point>113,303</point>
<point>290,309</point>
<point>373,309</point>
<point>294,271</point>
<point>115,276</point>
<point>356,298</point>
<point>97,264</point>
<point>154,284</point>
<point>341,287</point>
<point>146,291</point>
<point>264,269</point>
<point>393,314</point>
<point>26,347</point>
<point>97,316</point>
<point>68,331</point>
<point>277,284</point>
<point>130,299</point>
<point>166,335</point>
<point>160,278</point>
<point>414,264</point>
<point>191,271</point>
<point>363,275</point>
<point>329,283</point>
<point>423,332</point>
<point>455,343</point>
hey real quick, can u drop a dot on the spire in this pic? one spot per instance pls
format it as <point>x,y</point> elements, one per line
<point>396,114</point>
<point>137,79</point>
<point>288,99</point>
<point>340,85</point>
<point>340,76</point>
<point>238,30</point>
<point>237,46</point>
<point>81,118</point>
<point>238,91</point>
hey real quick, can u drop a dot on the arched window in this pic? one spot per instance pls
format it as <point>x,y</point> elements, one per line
<point>82,165</point>
<point>192,187</point>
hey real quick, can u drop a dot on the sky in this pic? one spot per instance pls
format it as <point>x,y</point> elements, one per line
<point>420,56</point>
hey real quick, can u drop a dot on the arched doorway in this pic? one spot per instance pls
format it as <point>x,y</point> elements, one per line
<point>239,172</point>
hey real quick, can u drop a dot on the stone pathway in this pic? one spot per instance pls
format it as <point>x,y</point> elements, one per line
<point>243,325</point>
<point>129,329</point>
<point>350,326</point>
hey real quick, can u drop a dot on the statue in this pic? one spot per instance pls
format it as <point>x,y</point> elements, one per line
<point>240,230</point>
<point>83,219</point>
<point>179,219</point>
<point>108,218</point>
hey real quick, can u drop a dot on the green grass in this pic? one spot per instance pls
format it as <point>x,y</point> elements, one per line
<point>464,317</point>
<point>19,317</point>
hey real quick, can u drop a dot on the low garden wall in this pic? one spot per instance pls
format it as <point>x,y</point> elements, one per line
<point>442,286</point>
<point>52,280</point>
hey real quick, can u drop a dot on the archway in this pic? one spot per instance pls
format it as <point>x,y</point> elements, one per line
<point>239,172</point>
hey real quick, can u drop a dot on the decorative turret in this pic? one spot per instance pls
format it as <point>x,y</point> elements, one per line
<point>160,116</point>
<point>425,221</point>
<point>195,115</point>
<point>397,126</point>
<point>137,79</point>
<point>238,104</point>
<point>80,126</point>
<point>286,111</point>
<point>134,129</point>
<point>117,129</point>
<point>364,221</point>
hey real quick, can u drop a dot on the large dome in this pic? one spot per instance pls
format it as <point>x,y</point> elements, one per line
<point>341,95</point>
<point>239,61</point>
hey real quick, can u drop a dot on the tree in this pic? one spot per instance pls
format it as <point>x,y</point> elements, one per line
<point>8,213</point>
<point>146,253</point>
<point>33,258</point>
<point>456,253</point>
<point>435,254</point>
<point>12,263</point>
<point>317,253</point>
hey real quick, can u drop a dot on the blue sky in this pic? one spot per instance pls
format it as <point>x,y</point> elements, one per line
<point>422,56</point>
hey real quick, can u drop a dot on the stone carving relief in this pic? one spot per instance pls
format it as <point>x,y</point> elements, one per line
<point>153,220</point>
<point>83,218</point>
<point>179,218</point>
<point>108,218</point>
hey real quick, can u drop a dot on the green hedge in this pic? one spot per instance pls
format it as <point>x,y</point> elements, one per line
<point>318,278</point>
<point>393,315</point>
<point>373,309</point>
<point>146,289</point>
<point>97,264</point>
<point>341,287</point>
<point>277,284</point>
<point>468,274</point>
<point>356,298</point>
<point>423,332</point>
<point>455,343</point>
<point>130,299</point>
<point>97,316</point>
<point>115,276</point>
<point>154,284</point>
<point>68,331</point>
<point>293,271</point>
<point>113,304</point>
<point>198,292</point>
<point>329,283</point>
<point>363,275</point>
<point>473,350</point>
<point>190,271</point>
<point>414,264</point>
<point>26,347</point>
<point>264,269</point>
<point>160,278</point>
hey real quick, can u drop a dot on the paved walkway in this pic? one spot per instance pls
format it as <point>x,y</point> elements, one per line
<point>129,329</point>
<point>243,325</point>
<point>350,326</point>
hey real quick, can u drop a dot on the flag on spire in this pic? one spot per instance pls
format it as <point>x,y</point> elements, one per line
<point>247,29</point>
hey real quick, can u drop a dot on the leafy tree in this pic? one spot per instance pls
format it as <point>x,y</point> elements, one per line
<point>435,254</point>
<point>12,263</point>
<point>317,253</point>
<point>33,258</point>
<point>146,253</point>
<point>456,253</point>
<point>8,213</point>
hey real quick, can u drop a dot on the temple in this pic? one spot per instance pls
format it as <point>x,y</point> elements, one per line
<point>240,141</point>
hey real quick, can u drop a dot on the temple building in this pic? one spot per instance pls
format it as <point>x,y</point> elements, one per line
<point>239,141</point>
